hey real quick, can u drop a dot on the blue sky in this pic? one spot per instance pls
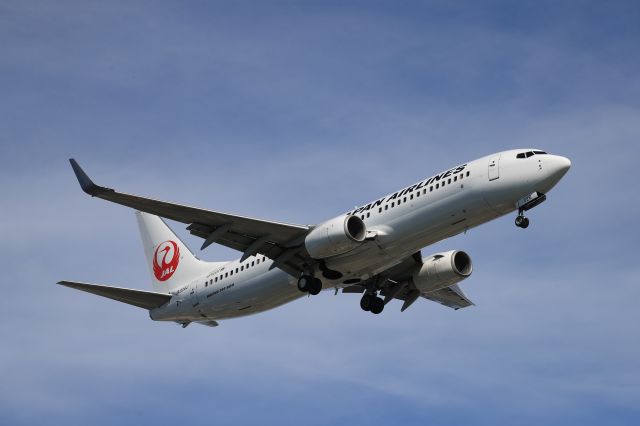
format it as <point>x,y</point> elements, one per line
<point>297,111</point>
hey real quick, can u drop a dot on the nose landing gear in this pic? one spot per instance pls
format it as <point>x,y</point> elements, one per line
<point>527,203</point>
<point>522,221</point>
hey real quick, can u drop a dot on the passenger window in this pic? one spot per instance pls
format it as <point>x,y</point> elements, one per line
<point>380,210</point>
<point>424,192</point>
<point>455,178</point>
<point>368,215</point>
<point>467,174</point>
<point>437,185</point>
<point>226,274</point>
<point>431,188</point>
<point>386,207</point>
<point>242,268</point>
<point>393,205</point>
<point>417,194</point>
<point>404,200</point>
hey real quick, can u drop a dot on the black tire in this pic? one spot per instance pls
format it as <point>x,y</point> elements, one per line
<point>304,283</point>
<point>519,221</point>
<point>377,306</point>
<point>525,223</point>
<point>315,287</point>
<point>365,302</point>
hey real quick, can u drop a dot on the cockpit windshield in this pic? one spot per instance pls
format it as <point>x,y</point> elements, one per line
<point>529,154</point>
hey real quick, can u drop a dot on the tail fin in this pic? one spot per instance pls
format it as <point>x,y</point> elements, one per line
<point>170,261</point>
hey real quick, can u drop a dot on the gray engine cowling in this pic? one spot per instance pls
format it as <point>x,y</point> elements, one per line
<point>336,236</point>
<point>442,270</point>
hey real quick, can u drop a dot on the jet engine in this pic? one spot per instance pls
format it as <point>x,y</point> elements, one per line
<point>336,236</point>
<point>442,270</point>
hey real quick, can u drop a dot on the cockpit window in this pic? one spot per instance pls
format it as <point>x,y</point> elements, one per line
<point>529,154</point>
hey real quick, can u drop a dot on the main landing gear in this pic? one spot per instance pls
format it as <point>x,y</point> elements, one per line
<point>522,221</point>
<point>371,303</point>
<point>309,284</point>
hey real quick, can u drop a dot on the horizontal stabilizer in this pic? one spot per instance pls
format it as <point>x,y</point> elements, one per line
<point>139,298</point>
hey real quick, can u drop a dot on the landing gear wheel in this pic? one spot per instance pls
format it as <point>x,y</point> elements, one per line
<point>304,283</point>
<point>366,302</point>
<point>521,221</point>
<point>315,287</point>
<point>377,306</point>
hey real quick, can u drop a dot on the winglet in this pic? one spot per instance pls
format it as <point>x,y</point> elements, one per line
<point>86,183</point>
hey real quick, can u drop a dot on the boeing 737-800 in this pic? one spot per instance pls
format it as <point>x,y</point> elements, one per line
<point>374,250</point>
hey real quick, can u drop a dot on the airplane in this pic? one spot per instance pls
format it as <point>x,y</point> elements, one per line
<point>373,250</point>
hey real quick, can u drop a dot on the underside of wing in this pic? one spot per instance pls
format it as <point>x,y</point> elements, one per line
<point>395,283</point>
<point>451,297</point>
<point>279,241</point>
<point>139,298</point>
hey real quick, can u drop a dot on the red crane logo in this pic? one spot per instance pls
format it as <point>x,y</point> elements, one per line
<point>165,260</point>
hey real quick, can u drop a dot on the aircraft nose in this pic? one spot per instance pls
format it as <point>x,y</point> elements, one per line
<point>559,166</point>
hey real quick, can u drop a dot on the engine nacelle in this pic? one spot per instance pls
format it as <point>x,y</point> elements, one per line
<point>336,236</point>
<point>442,270</point>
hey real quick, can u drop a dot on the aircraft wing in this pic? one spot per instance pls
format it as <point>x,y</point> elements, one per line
<point>139,298</point>
<point>279,241</point>
<point>451,297</point>
<point>397,285</point>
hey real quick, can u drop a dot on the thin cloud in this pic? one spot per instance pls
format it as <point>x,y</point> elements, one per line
<point>298,115</point>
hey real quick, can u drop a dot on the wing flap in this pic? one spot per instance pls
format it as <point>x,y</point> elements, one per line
<point>451,297</point>
<point>139,298</point>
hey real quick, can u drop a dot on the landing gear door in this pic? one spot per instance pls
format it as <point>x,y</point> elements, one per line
<point>494,167</point>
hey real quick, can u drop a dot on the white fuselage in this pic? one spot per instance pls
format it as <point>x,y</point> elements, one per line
<point>403,222</point>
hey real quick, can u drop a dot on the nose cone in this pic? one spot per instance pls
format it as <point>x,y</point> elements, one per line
<point>554,168</point>
<point>559,166</point>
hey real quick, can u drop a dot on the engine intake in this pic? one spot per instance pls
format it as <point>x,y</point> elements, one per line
<point>442,270</point>
<point>336,236</point>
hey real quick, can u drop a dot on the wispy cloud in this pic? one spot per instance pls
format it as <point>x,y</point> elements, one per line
<point>296,113</point>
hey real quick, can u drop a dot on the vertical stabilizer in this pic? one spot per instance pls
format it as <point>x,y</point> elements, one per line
<point>170,261</point>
